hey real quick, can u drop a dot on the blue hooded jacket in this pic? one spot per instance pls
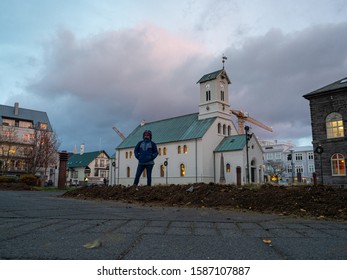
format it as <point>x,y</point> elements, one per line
<point>146,150</point>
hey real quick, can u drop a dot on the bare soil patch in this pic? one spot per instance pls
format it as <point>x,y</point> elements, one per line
<point>323,202</point>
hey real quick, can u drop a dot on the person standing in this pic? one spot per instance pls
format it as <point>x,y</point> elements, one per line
<point>145,151</point>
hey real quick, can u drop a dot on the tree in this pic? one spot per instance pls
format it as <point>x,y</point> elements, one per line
<point>8,147</point>
<point>43,151</point>
<point>278,168</point>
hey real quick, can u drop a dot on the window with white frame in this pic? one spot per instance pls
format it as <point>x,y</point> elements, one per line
<point>298,156</point>
<point>299,169</point>
<point>278,156</point>
<point>311,168</point>
<point>334,125</point>
<point>338,167</point>
<point>310,156</point>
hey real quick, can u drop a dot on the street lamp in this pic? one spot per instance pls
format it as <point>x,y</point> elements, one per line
<point>320,150</point>
<point>290,157</point>
<point>248,137</point>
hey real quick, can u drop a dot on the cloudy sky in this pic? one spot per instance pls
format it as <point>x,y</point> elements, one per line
<point>95,64</point>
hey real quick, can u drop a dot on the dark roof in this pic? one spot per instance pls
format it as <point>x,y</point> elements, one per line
<point>232,143</point>
<point>213,76</point>
<point>78,160</point>
<point>336,86</point>
<point>25,114</point>
<point>180,128</point>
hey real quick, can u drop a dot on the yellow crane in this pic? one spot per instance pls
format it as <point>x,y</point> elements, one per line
<point>243,117</point>
<point>121,135</point>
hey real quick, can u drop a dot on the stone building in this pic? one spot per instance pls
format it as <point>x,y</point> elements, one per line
<point>328,107</point>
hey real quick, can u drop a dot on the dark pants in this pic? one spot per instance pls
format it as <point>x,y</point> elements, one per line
<point>139,171</point>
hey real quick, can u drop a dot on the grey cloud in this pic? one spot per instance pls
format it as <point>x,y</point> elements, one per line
<point>121,77</point>
<point>270,74</point>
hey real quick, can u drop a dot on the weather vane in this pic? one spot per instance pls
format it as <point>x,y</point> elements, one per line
<point>224,58</point>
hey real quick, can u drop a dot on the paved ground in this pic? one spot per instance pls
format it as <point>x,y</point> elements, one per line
<point>40,225</point>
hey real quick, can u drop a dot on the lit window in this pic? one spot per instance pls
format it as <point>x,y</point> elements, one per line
<point>159,152</point>
<point>164,151</point>
<point>185,149</point>
<point>43,126</point>
<point>130,154</point>
<point>338,166</point>
<point>162,170</point>
<point>182,170</point>
<point>126,154</point>
<point>227,168</point>
<point>334,125</point>
<point>179,150</point>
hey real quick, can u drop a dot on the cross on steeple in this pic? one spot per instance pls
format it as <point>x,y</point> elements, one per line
<point>224,58</point>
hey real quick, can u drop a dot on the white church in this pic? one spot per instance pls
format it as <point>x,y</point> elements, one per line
<point>199,147</point>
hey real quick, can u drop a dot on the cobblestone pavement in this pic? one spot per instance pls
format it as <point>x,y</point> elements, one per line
<point>40,225</point>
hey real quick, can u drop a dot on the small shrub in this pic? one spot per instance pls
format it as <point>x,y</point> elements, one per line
<point>8,179</point>
<point>28,179</point>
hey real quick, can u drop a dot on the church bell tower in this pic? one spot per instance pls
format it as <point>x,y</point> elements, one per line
<point>214,95</point>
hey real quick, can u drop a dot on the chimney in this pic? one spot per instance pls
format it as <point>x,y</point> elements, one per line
<point>82,149</point>
<point>16,109</point>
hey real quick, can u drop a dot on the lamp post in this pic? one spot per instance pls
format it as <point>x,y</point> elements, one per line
<point>166,162</point>
<point>290,156</point>
<point>320,150</point>
<point>248,137</point>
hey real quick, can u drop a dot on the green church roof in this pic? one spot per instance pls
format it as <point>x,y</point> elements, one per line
<point>180,128</point>
<point>213,76</point>
<point>78,160</point>
<point>232,143</point>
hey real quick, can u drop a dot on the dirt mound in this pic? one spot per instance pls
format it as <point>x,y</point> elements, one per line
<point>321,202</point>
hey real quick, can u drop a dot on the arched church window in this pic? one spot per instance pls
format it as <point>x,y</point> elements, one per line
<point>162,170</point>
<point>219,128</point>
<point>179,151</point>
<point>182,170</point>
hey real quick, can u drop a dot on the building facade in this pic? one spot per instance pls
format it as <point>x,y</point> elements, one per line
<point>190,146</point>
<point>90,168</point>
<point>328,108</point>
<point>285,163</point>
<point>24,134</point>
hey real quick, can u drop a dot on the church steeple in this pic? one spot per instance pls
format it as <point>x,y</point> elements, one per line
<point>214,95</point>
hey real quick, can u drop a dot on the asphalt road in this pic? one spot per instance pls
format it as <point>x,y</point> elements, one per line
<point>43,226</point>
